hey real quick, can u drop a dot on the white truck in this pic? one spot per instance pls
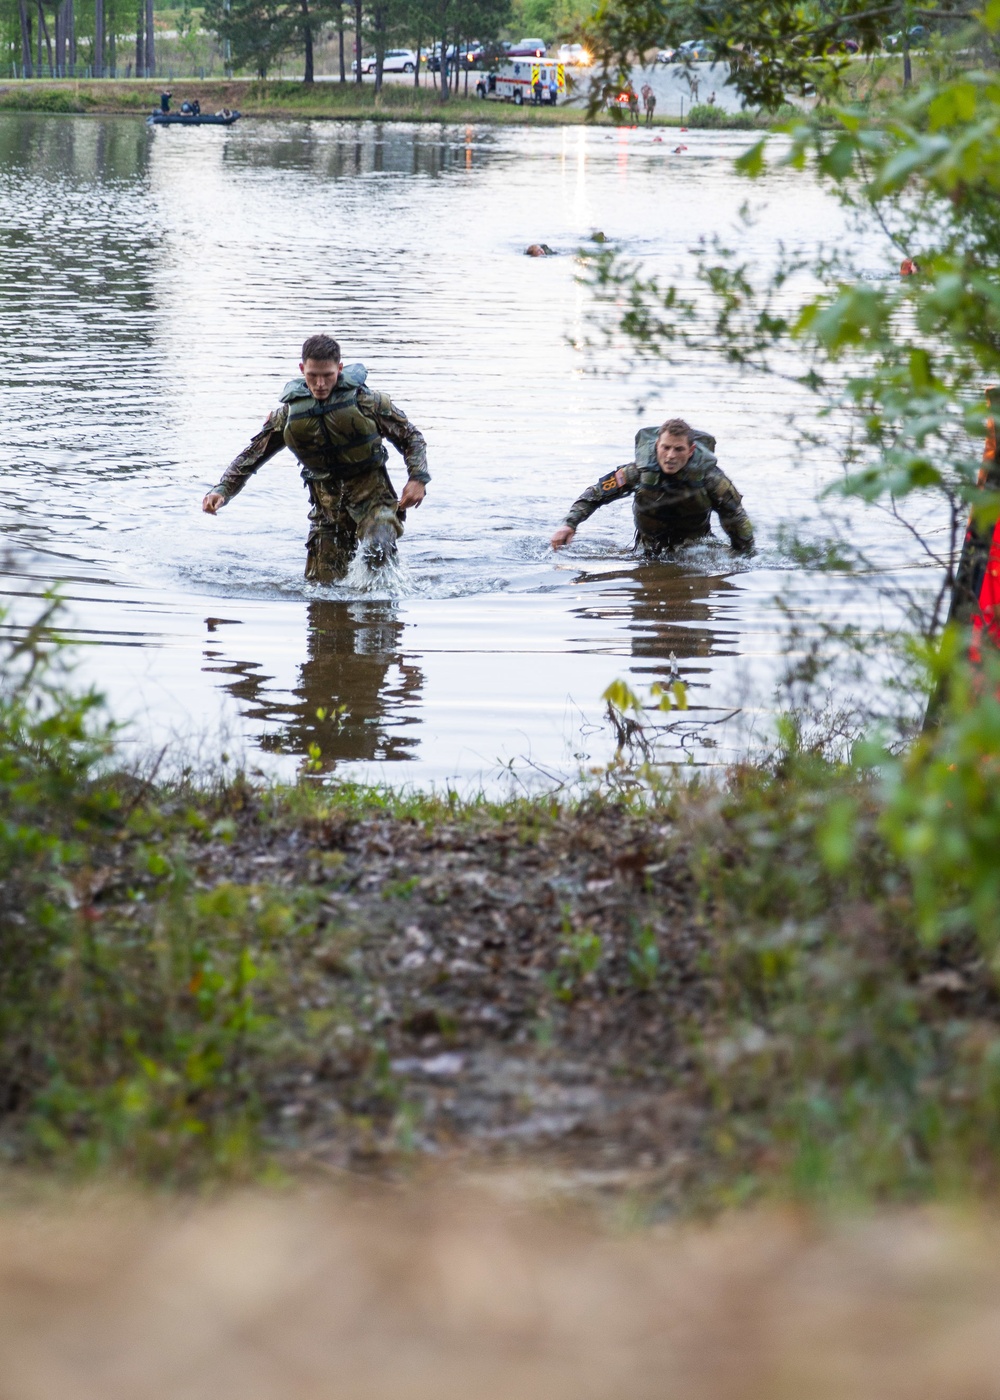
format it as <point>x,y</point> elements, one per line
<point>515,81</point>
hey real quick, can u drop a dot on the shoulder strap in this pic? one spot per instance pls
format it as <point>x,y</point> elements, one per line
<point>295,389</point>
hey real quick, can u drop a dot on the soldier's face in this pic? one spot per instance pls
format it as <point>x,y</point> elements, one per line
<point>321,376</point>
<point>672,453</point>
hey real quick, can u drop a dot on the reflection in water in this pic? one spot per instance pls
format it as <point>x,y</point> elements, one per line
<point>671,615</point>
<point>354,671</point>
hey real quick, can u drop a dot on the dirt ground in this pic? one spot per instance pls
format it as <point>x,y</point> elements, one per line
<point>520,992</point>
<point>451,1294</point>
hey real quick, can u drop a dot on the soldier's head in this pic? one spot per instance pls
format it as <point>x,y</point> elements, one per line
<point>674,445</point>
<point>321,365</point>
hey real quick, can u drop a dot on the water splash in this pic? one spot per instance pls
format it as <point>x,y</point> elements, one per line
<point>390,580</point>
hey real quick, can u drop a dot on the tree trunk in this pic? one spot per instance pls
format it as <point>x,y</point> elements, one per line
<point>60,22</point>
<point>416,71</point>
<point>48,38</point>
<point>150,41</point>
<point>357,40</point>
<point>907,65</point>
<point>465,62</point>
<point>140,38</point>
<point>98,49</point>
<point>71,34</point>
<point>380,26</point>
<point>25,18</point>
<point>340,41</point>
<point>307,35</point>
<point>444,65</point>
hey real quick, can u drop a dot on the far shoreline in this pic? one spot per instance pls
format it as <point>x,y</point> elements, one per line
<point>322,101</point>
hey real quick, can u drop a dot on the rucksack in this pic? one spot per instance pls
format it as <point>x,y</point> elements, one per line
<point>645,445</point>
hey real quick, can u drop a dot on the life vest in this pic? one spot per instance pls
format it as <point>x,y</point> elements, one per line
<point>671,508</point>
<point>333,439</point>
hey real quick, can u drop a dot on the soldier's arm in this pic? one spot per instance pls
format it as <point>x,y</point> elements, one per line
<point>610,487</point>
<point>392,423</point>
<point>263,446</point>
<point>728,505</point>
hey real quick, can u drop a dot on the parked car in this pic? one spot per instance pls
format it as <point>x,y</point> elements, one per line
<point>528,48</point>
<point>486,55</point>
<point>693,51</point>
<point>395,61</point>
<point>434,58</point>
<point>918,36</point>
<point>575,54</point>
<point>666,55</point>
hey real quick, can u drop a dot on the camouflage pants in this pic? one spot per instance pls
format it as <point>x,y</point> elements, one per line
<point>343,513</point>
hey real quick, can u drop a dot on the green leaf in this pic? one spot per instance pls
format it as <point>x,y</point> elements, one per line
<point>751,163</point>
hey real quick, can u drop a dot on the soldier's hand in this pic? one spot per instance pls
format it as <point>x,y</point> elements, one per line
<point>212,502</point>
<point>413,493</point>
<point>562,536</point>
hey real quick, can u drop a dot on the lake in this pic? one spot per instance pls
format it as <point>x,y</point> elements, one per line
<point>155,288</point>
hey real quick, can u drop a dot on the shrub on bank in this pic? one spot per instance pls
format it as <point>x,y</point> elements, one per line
<point>27,98</point>
<point>710,117</point>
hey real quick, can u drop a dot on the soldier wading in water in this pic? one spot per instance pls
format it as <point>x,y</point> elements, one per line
<point>334,424</point>
<point>675,484</point>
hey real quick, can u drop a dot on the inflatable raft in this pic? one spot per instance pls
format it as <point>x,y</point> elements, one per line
<point>187,119</point>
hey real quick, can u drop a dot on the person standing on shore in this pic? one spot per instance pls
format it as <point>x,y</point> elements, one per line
<point>650,97</point>
<point>675,484</point>
<point>334,424</point>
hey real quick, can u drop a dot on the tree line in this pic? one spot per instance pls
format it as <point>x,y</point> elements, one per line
<point>116,38</point>
<point>60,38</point>
<point>258,31</point>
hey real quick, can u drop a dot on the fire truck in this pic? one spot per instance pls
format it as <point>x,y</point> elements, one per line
<point>515,81</point>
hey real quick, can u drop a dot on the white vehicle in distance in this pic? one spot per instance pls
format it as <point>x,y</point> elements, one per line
<point>574,54</point>
<point>515,81</point>
<point>395,61</point>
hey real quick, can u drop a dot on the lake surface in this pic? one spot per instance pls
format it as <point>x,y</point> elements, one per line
<point>155,288</point>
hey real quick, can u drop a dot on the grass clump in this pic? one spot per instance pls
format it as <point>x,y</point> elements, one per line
<point>26,97</point>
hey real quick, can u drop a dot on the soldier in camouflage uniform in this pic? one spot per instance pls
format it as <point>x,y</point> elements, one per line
<point>334,425</point>
<point>675,484</point>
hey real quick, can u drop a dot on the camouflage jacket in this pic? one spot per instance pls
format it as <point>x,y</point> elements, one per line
<point>672,507</point>
<point>392,423</point>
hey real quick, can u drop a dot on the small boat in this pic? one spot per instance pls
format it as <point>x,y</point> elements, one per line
<point>224,118</point>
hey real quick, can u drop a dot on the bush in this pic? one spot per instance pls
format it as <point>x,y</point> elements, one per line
<point>714,118</point>
<point>27,98</point>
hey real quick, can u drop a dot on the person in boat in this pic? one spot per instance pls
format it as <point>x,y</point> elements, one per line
<point>675,483</point>
<point>195,107</point>
<point>335,425</point>
<point>165,97</point>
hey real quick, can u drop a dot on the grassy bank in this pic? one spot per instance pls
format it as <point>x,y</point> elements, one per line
<point>726,991</point>
<point>351,102</point>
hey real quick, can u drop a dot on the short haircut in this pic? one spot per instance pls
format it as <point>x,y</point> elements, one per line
<point>321,347</point>
<point>676,427</point>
